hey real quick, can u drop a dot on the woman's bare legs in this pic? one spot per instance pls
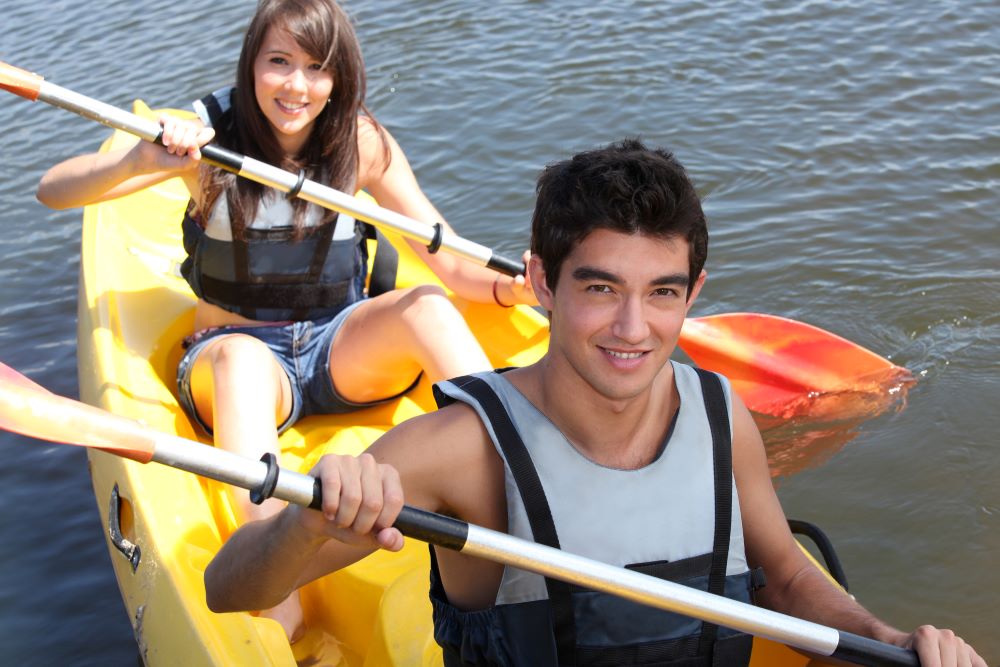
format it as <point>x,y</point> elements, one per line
<point>242,393</point>
<point>388,340</point>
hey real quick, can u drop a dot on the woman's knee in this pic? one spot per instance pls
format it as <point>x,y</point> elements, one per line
<point>426,301</point>
<point>238,352</point>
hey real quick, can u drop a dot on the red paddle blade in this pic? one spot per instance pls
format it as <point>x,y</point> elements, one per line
<point>9,376</point>
<point>20,82</point>
<point>787,369</point>
<point>31,410</point>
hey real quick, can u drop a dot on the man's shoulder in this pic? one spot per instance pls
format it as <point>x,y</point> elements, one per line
<point>451,424</point>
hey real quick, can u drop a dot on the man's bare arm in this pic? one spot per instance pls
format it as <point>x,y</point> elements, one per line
<point>794,585</point>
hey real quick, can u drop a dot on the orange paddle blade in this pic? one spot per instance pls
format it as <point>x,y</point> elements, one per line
<point>31,410</point>
<point>787,369</point>
<point>20,82</point>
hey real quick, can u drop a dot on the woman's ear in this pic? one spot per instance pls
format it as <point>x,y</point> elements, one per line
<point>536,273</point>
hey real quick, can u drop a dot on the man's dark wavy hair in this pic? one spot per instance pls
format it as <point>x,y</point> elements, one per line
<point>625,187</point>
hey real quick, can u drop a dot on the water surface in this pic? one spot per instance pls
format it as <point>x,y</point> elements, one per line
<point>849,155</point>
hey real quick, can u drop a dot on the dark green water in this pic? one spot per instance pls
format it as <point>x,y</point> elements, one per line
<point>850,158</point>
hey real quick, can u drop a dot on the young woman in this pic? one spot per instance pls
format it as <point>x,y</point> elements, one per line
<point>283,328</point>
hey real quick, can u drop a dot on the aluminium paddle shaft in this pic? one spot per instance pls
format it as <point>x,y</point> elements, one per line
<point>434,236</point>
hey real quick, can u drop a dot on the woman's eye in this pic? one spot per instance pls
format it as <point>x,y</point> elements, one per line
<point>278,60</point>
<point>316,66</point>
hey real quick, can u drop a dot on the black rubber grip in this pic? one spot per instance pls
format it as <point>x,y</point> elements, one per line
<point>432,528</point>
<point>222,158</point>
<point>297,188</point>
<point>506,266</point>
<point>442,531</point>
<point>435,243</point>
<point>863,651</point>
<point>317,501</point>
<point>266,488</point>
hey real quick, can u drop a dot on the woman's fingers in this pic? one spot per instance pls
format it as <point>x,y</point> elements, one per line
<point>520,285</point>
<point>184,138</point>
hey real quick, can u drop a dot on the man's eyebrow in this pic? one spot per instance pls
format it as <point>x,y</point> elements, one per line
<point>679,279</point>
<point>585,273</point>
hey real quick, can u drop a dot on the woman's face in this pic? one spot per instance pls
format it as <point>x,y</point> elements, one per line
<point>291,87</point>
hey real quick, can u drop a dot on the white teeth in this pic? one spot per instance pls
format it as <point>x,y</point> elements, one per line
<point>624,355</point>
<point>290,105</point>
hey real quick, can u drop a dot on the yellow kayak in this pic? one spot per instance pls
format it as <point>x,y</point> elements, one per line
<point>163,525</point>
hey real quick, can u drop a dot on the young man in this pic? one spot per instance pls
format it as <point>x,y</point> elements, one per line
<point>604,448</point>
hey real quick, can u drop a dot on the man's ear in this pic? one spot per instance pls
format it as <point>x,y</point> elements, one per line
<point>538,283</point>
<point>696,289</point>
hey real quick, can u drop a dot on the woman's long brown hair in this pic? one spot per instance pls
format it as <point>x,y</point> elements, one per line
<point>324,31</point>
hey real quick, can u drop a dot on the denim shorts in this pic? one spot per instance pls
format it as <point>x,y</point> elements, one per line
<point>303,351</point>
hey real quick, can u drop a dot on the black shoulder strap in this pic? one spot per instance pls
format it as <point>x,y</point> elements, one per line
<point>386,264</point>
<point>722,455</point>
<point>536,505</point>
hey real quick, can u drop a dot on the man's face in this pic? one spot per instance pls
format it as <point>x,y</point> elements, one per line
<point>618,309</point>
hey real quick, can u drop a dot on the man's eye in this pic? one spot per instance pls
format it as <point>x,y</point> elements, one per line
<point>665,291</point>
<point>600,289</point>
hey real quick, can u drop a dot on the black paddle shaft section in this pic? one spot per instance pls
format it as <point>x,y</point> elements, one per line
<point>216,156</point>
<point>506,266</point>
<point>222,158</point>
<point>436,529</point>
<point>863,651</point>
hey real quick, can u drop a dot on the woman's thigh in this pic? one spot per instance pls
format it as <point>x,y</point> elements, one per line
<point>386,342</point>
<point>236,378</point>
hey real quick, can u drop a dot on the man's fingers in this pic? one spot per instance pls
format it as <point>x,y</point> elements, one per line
<point>389,539</point>
<point>330,483</point>
<point>361,500</point>
<point>350,492</point>
<point>392,497</point>
<point>370,505</point>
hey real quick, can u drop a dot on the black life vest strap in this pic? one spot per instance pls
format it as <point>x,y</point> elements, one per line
<point>386,264</point>
<point>722,455</point>
<point>324,238</point>
<point>241,270</point>
<point>297,296</point>
<point>536,505</point>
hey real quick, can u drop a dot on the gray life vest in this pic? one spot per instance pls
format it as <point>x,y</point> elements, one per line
<point>267,274</point>
<point>677,518</point>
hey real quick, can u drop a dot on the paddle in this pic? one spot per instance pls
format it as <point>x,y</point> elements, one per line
<point>34,87</point>
<point>786,369</point>
<point>30,410</point>
<point>779,367</point>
